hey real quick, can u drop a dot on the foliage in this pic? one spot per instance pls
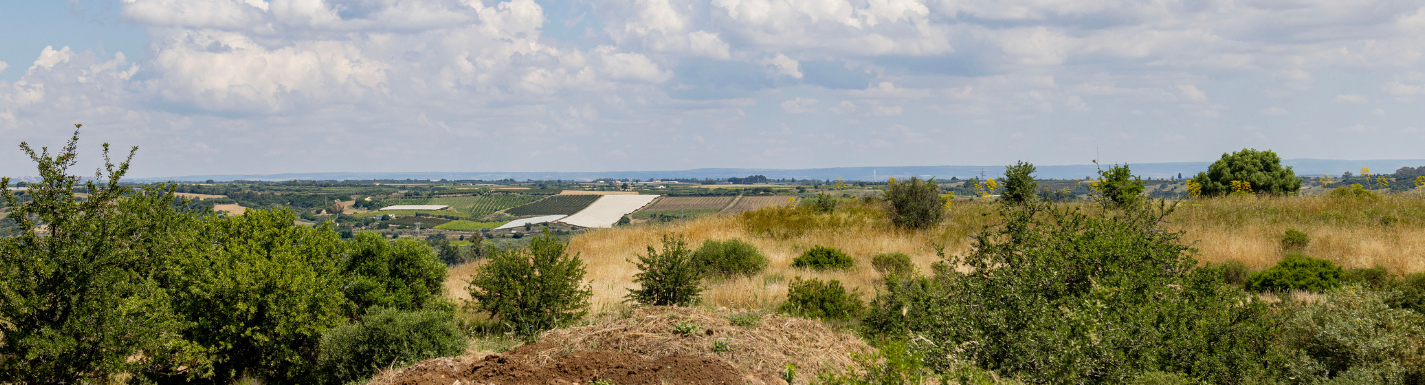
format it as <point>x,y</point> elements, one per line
<point>1118,187</point>
<point>480,206</point>
<point>747,320</point>
<point>668,277</point>
<point>824,258</point>
<point>814,298</point>
<point>386,337</point>
<point>1354,191</point>
<point>893,264</point>
<point>468,225</point>
<point>729,258</point>
<point>1261,169</point>
<point>915,204</point>
<point>1295,240</point>
<point>1061,295</point>
<point>1234,272</point>
<point>1375,278</point>
<point>685,328</point>
<point>1356,335</point>
<point>1411,293</point>
<point>81,295</point>
<point>1297,272</point>
<point>403,274</point>
<point>531,289</point>
<point>823,203</point>
<point>1019,184</point>
<point>555,205</point>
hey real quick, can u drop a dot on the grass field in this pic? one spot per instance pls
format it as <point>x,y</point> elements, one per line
<point>689,203</point>
<point>468,225</point>
<point>687,213</point>
<point>555,205</point>
<point>477,207</point>
<point>749,203</point>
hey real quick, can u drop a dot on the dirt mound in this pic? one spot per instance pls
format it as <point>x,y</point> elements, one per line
<point>652,346</point>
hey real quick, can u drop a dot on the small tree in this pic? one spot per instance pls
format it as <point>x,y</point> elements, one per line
<point>531,289</point>
<point>1261,169</point>
<point>668,277</point>
<point>1019,184</point>
<point>1118,187</point>
<point>915,204</point>
<point>403,274</point>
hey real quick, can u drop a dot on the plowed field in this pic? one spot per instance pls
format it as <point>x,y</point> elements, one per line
<point>689,203</point>
<point>749,203</point>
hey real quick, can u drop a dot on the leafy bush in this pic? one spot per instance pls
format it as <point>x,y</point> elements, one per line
<point>387,337</point>
<point>1375,278</point>
<point>1062,295</point>
<point>1234,272</point>
<point>1297,272</point>
<point>1355,336</point>
<point>668,277</point>
<point>729,258</point>
<point>531,289</point>
<point>1354,191</point>
<point>1118,187</point>
<point>816,299</point>
<point>823,203</point>
<point>915,204</point>
<point>1295,240</point>
<point>1412,293</point>
<point>1019,184</point>
<point>823,258</point>
<point>1261,169</point>
<point>402,274</point>
<point>897,264</point>
<point>747,320</point>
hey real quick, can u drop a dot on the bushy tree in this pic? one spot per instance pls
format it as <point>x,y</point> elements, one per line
<point>667,277</point>
<point>814,298</point>
<point>1262,169</point>
<point>1118,187</point>
<point>824,258</point>
<point>1297,272</point>
<point>729,258</point>
<point>403,274</point>
<point>531,289</point>
<point>1019,184</point>
<point>915,204</point>
<point>387,337</point>
<point>80,285</point>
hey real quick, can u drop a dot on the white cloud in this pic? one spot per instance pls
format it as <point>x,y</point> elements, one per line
<point>784,65</point>
<point>846,107</point>
<point>886,110</point>
<point>631,66</point>
<point>799,105</point>
<point>1275,111</point>
<point>1192,93</point>
<point>3,66</point>
<point>1352,98</point>
<point>49,57</point>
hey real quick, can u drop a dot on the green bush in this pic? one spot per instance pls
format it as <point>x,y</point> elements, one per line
<point>1234,272</point>
<point>1375,278</point>
<point>667,278</point>
<point>1162,378</point>
<point>915,204</point>
<point>1263,169</point>
<point>1295,240</point>
<point>816,299</point>
<point>747,320</point>
<point>1118,187</point>
<point>1019,184</point>
<point>1355,336</point>
<point>824,258</point>
<point>403,274</point>
<point>1354,191</point>
<point>1297,272</point>
<point>897,264</point>
<point>729,258</point>
<point>823,203</point>
<point>387,337</point>
<point>531,289</point>
<point>1411,293</point>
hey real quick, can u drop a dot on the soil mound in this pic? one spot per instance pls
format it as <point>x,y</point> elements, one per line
<point>579,368</point>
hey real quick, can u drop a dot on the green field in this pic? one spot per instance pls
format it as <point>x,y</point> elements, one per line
<point>555,205</point>
<point>688,213</point>
<point>468,225</point>
<point>481,206</point>
<point>403,213</point>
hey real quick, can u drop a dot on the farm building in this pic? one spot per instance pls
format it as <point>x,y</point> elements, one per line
<point>530,221</point>
<point>415,207</point>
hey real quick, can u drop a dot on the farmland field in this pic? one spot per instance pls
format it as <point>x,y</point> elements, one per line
<point>689,203</point>
<point>679,213</point>
<point>749,203</point>
<point>426,222</point>
<point>481,206</point>
<point>468,225</point>
<point>608,210</point>
<point>403,213</point>
<point>555,205</point>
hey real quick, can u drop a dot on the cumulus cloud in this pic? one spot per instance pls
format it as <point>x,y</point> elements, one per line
<point>784,65</point>
<point>799,105</point>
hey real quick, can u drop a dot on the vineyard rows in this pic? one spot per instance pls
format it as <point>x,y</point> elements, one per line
<point>749,203</point>
<point>689,203</point>
<point>555,205</point>
<point>481,206</point>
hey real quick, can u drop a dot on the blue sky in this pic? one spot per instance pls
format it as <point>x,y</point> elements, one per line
<point>275,86</point>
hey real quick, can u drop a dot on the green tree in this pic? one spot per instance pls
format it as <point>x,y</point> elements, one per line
<point>915,204</point>
<point>531,289</point>
<point>1118,187</point>
<point>1019,184</point>
<point>669,277</point>
<point>79,288</point>
<point>402,274</point>
<point>1263,169</point>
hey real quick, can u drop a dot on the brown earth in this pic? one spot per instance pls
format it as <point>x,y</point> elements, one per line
<point>589,192</point>
<point>584,367</point>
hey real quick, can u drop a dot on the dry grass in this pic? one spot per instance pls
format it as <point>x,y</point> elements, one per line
<point>231,208</point>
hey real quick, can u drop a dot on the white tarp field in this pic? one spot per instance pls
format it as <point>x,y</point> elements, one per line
<point>531,221</point>
<point>608,209</point>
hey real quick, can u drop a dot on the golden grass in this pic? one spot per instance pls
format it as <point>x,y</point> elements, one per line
<point>231,208</point>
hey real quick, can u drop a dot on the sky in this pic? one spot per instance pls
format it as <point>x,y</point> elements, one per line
<point>288,86</point>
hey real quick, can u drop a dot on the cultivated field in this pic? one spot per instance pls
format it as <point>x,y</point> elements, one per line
<point>231,208</point>
<point>587,192</point>
<point>554,205</point>
<point>468,225</point>
<point>608,210</point>
<point>198,196</point>
<point>749,203</point>
<point>689,203</point>
<point>477,207</point>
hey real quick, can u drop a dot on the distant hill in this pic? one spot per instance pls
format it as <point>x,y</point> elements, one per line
<point>1303,167</point>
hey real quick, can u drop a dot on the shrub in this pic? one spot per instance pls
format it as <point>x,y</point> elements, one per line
<point>729,258</point>
<point>1118,187</point>
<point>1019,184</point>
<point>1297,272</point>
<point>1354,191</point>
<point>897,264</point>
<point>1375,278</point>
<point>1234,272</point>
<point>403,274</point>
<point>823,203</point>
<point>531,289</point>
<point>747,320</point>
<point>667,278</point>
<point>823,258</point>
<point>915,204</point>
<point>1412,293</point>
<point>1262,170</point>
<point>816,299</point>
<point>387,337</point>
<point>1356,337</point>
<point>1295,240</point>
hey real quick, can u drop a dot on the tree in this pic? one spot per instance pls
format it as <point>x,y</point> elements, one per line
<point>915,204</point>
<point>667,278</point>
<point>403,274</point>
<point>79,288</point>
<point>1118,187</point>
<point>531,289</point>
<point>1262,169</point>
<point>1019,184</point>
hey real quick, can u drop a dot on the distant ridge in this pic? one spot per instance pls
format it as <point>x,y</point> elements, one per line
<point>1303,167</point>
